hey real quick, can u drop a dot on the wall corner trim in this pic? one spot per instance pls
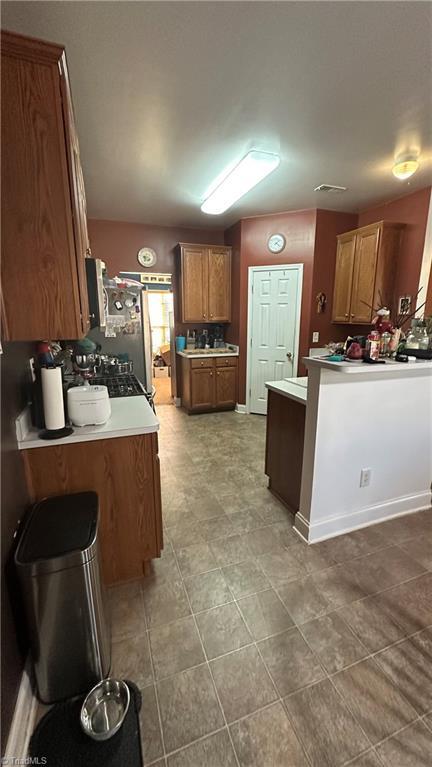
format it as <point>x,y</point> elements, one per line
<point>23,720</point>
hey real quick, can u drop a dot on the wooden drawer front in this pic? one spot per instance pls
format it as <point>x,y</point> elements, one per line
<point>202,363</point>
<point>226,362</point>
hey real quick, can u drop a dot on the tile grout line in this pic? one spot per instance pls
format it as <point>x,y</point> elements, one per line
<point>210,671</point>
<point>345,702</point>
<point>279,699</point>
<point>339,694</point>
<point>332,609</point>
<point>154,682</point>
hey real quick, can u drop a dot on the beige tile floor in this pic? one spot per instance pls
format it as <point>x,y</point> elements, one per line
<point>254,650</point>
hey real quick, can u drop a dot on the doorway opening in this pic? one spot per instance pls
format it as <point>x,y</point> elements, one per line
<point>274,306</point>
<point>161,316</point>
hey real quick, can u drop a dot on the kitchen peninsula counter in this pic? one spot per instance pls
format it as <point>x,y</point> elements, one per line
<point>119,461</point>
<point>293,388</point>
<point>367,445</point>
<point>286,413</point>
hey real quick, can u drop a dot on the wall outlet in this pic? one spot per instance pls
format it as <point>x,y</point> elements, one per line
<point>315,337</point>
<point>365,477</point>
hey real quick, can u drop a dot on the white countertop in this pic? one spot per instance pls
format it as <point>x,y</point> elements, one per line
<point>293,388</point>
<point>130,416</point>
<point>390,366</point>
<point>230,351</point>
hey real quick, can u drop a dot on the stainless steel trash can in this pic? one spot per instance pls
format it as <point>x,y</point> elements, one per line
<point>58,566</point>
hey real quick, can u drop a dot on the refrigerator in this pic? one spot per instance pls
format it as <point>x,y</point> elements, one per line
<point>127,329</point>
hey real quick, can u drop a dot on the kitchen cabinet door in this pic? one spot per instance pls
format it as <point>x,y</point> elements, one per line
<point>44,291</point>
<point>226,387</point>
<point>124,472</point>
<point>365,265</point>
<point>219,284</point>
<point>78,197</point>
<point>343,277</point>
<point>194,278</point>
<point>202,388</point>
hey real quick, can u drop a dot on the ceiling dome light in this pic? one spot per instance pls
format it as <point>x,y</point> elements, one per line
<point>405,169</point>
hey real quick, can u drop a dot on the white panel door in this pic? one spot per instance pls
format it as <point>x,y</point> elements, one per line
<point>273,331</point>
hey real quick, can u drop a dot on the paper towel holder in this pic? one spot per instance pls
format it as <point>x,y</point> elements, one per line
<point>66,431</point>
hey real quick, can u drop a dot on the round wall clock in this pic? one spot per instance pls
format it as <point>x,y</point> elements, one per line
<point>147,257</point>
<point>276,243</point>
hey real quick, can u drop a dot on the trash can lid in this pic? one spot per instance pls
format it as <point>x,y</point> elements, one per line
<point>59,526</point>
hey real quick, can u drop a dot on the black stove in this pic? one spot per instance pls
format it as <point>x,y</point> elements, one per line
<point>125,385</point>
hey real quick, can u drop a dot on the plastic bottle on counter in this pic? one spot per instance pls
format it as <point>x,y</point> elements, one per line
<point>373,345</point>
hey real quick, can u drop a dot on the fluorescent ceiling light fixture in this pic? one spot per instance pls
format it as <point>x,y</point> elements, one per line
<point>405,169</point>
<point>254,166</point>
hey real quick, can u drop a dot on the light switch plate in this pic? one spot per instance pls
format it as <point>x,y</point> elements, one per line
<point>315,337</point>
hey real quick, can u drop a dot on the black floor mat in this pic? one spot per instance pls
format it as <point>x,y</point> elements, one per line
<point>60,739</point>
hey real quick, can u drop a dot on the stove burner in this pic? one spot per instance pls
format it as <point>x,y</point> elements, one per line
<point>120,386</point>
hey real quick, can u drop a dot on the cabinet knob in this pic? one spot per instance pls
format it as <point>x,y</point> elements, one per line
<point>211,315</point>
<point>218,373</point>
<point>88,252</point>
<point>347,315</point>
<point>352,315</point>
<point>211,372</point>
<point>92,316</point>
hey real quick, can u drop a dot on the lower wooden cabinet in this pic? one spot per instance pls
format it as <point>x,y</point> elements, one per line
<point>284,448</point>
<point>209,384</point>
<point>124,472</point>
<point>226,387</point>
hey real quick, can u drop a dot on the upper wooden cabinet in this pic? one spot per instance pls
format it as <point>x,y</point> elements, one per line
<point>366,261</point>
<point>44,228</point>
<point>205,283</point>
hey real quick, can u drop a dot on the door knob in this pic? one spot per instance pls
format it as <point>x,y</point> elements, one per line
<point>289,355</point>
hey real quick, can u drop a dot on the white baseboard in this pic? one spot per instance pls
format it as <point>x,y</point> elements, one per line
<point>177,401</point>
<point>372,515</point>
<point>240,408</point>
<point>23,721</point>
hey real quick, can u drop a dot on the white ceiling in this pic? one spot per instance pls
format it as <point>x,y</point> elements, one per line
<point>167,95</point>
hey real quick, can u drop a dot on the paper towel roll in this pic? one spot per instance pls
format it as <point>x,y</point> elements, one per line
<point>52,393</point>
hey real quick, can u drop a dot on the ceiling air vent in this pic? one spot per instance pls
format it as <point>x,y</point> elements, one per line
<point>330,188</point>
